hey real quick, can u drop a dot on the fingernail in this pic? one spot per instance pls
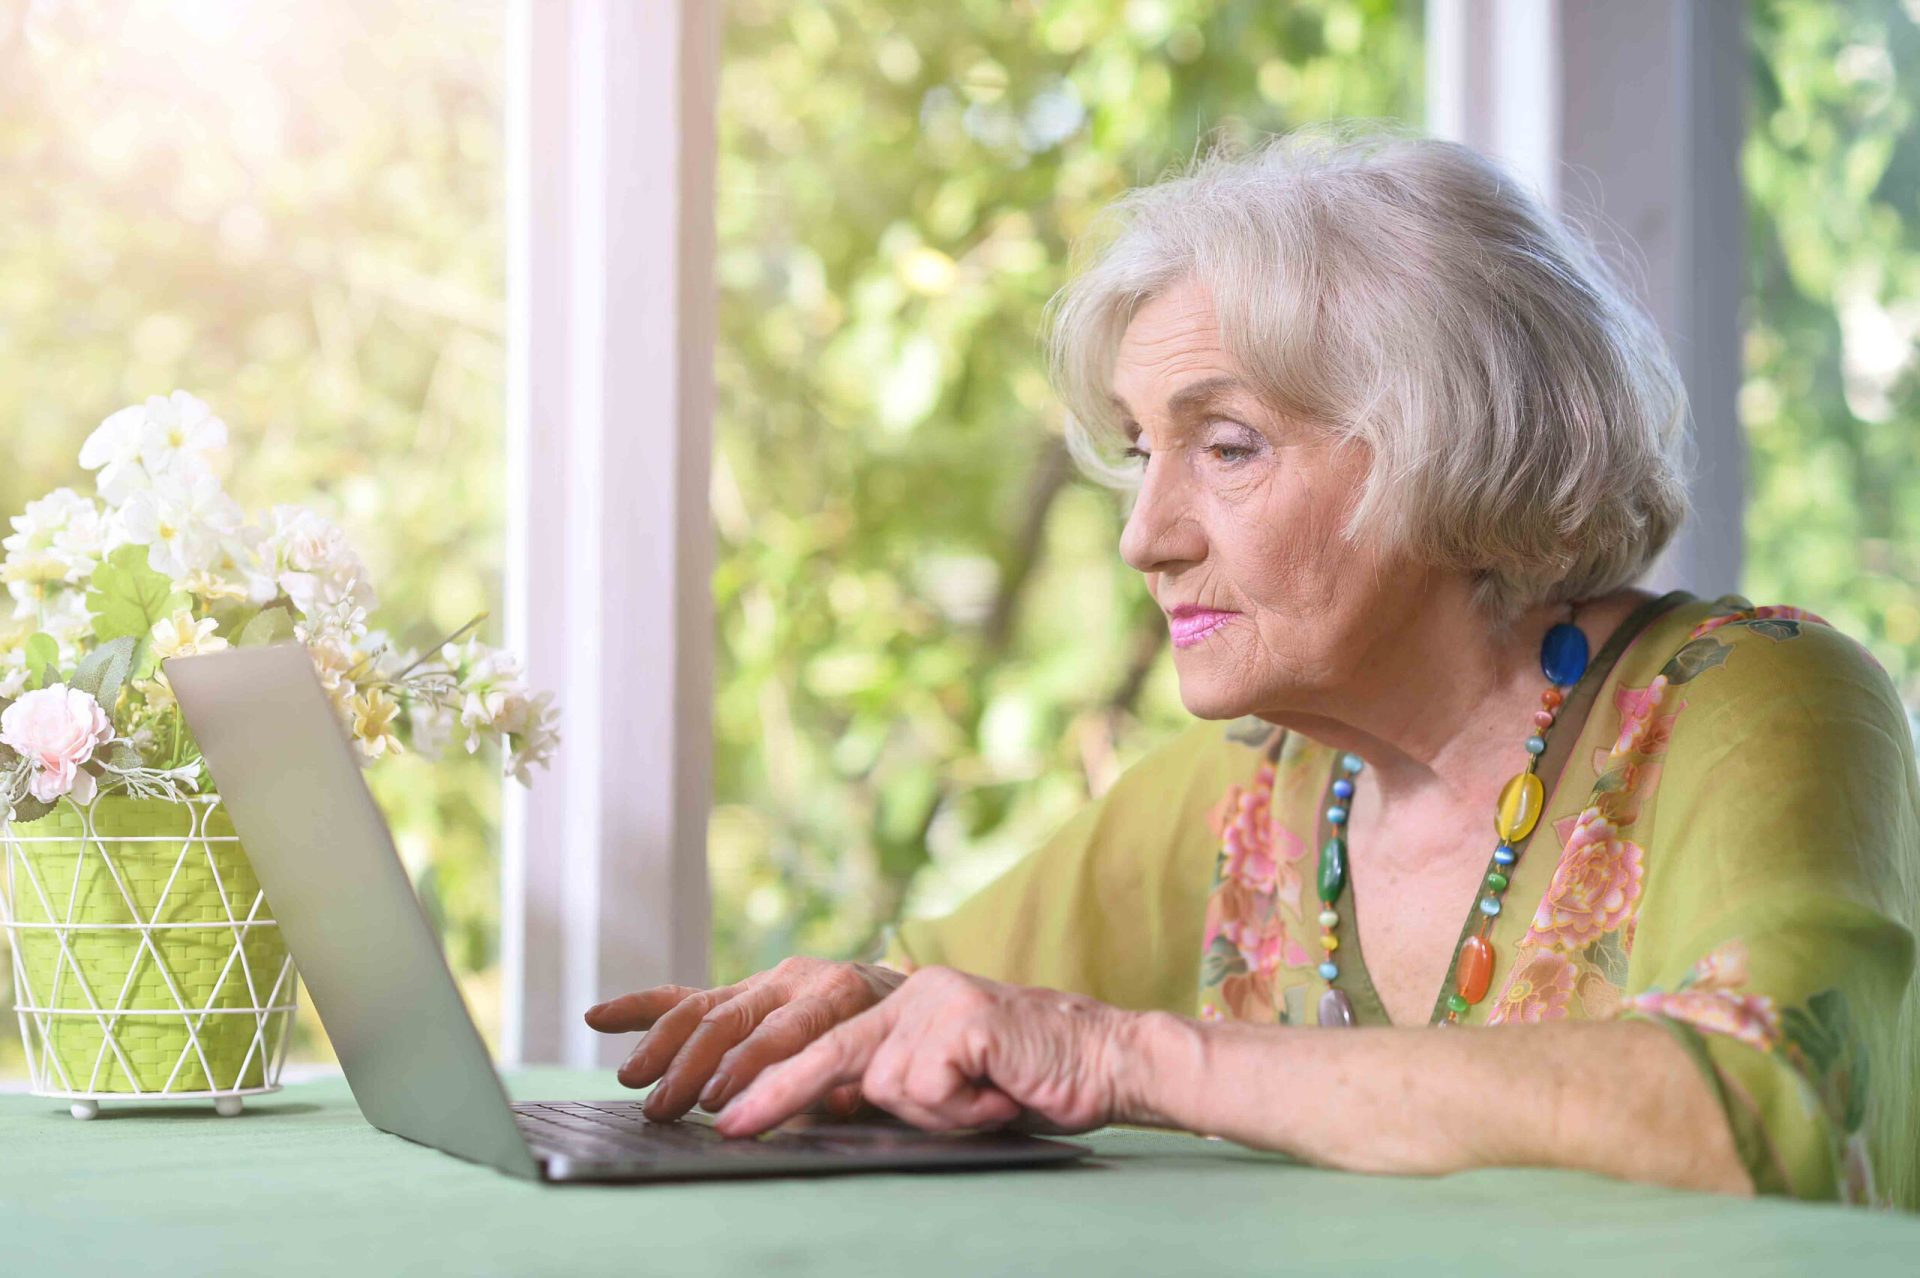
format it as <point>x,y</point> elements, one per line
<point>595,1008</point>
<point>715,1089</point>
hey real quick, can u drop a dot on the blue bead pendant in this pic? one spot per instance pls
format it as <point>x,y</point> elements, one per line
<point>1563,655</point>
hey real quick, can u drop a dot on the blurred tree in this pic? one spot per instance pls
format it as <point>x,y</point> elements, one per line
<point>294,211</point>
<point>929,650</point>
<point>1832,169</point>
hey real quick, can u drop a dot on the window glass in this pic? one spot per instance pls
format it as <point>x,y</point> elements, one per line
<point>1832,323</point>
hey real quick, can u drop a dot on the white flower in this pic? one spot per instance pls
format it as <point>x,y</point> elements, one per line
<point>62,526</point>
<point>309,559</point>
<point>493,698</point>
<point>234,571</point>
<point>182,523</point>
<point>57,729</point>
<point>181,636</point>
<point>114,450</point>
<point>146,445</point>
<point>178,431</point>
<point>13,677</point>
<point>533,745</point>
<point>334,660</point>
<point>56,542</point>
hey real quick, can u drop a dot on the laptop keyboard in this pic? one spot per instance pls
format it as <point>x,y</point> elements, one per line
<point>616,1131</point>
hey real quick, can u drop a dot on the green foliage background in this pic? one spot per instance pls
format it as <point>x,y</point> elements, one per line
<point>929,652</point>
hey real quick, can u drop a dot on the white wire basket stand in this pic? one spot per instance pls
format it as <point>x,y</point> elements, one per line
<point>146,963</point>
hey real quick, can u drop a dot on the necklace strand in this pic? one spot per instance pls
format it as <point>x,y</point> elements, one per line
<point>1563,660</point>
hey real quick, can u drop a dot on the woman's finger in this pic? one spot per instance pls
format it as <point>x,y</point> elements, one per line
<point>657,1050</point>
<point>719,1029</point>
<point>639,1010</point>
<point>836,1058</point>
<point>780,1034</point>
<point>844,1101</point>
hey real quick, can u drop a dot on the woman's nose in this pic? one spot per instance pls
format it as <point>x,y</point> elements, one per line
<point>1162,530</point>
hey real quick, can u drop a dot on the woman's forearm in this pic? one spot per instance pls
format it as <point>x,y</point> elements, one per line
<point>1620,1098</point>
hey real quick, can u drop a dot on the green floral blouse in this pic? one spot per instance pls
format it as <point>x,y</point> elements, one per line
<point>1730,848</point>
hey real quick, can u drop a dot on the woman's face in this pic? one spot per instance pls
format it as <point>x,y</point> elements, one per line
<point>1238,515</point>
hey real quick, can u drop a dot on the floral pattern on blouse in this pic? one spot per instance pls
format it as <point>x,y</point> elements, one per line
<point>1571,960</point>
<point>1817,1040</point>
<point>1253,925</point>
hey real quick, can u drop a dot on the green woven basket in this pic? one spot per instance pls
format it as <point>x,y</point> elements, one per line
<point>146,960</point>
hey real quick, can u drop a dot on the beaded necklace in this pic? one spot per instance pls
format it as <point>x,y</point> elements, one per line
<point>1563,659</point>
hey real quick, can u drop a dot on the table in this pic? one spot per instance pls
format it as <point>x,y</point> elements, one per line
<point>301,1185</point>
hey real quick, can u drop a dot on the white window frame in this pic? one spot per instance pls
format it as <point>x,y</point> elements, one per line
<point>1635,104</point>
<point>612,298</point>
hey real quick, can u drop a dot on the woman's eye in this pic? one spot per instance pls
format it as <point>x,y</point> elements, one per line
<point>1131,452</point>
<point>1230,452</point>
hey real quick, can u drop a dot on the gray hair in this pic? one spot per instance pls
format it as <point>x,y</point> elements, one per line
<point>1526,423</point>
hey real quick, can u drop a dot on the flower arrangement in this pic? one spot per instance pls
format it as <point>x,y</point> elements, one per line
<point>161,562</point>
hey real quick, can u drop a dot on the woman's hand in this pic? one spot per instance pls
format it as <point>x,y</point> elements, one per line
<point>705,1045</point>
<point>950,1050</point>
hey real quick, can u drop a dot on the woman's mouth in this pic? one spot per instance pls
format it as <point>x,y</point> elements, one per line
<point>1190,627</point>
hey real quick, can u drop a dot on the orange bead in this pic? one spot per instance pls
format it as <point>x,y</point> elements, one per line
<point>1551,698</point>
<point>1475,970</point>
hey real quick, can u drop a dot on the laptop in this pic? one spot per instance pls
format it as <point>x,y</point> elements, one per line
<point>291,781</point>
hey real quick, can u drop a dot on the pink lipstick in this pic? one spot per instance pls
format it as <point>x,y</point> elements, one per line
<point>1189,624</point>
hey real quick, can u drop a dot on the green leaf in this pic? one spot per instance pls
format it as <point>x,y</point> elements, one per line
<point>43,661</point>
<point>230,617</point>
<point>1608,782</point>
<point>106,669</point>
<point>1223,959</point>
<point>27,808</point>
<point>129,598</point>
<point>269,625</point>
<point>1777,629</point>
<point>1694,660</point>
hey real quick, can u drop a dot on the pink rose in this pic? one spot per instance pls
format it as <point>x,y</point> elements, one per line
<point>1595,888</point>
<point>1643,728</point>
<point>1537,991</point>
<point>57,729</point>
<point>1260,854</point>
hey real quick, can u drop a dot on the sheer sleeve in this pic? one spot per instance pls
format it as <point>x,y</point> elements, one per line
<point>1113,903</point>
<point>1775,938</point>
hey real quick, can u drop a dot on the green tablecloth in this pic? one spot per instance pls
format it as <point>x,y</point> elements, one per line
<point>301,1185</point>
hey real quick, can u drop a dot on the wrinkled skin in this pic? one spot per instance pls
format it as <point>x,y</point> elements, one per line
<point>949,1050</point>
<point>704,1046</point>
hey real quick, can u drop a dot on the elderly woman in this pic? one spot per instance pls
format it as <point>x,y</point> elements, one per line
<point>1402,443</point>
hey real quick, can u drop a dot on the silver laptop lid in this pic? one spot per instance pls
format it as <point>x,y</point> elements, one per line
<point>291,781</point>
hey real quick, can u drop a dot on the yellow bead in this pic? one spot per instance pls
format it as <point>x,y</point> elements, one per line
<point>1329,942</point>
<point>1520,803</point>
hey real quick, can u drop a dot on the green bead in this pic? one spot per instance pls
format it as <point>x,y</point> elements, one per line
<point>1333,869</point>
<point>1497,881</point>
<point>1456,1004</point>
